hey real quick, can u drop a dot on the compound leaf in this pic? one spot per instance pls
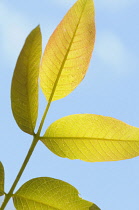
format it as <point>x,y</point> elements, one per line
<point>1,179</point>
<point>68,52</point>
<point>24,89</point>
<point>51,194</point>
<point>92,138</point>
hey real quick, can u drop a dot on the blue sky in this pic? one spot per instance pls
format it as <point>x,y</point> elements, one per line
<point>110,88</point>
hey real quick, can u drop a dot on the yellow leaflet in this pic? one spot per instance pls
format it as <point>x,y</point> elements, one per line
<point>1,179</point>
<point>68,52</point>
<point>24,89</point>
<point>92,138</point>
<point>51,194</point>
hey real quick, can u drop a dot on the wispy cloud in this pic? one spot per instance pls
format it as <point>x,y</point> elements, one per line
<point>112,51</point>
<point>15,27</point>
<point>63,3</point>
<point>115,5</point>
<point>13,32</point>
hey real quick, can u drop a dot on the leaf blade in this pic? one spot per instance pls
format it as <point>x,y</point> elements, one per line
<point>68,52</point>
<point>92,138</point>
<point>24,88</point>
<point>1,179</point>
<point>48,193</point>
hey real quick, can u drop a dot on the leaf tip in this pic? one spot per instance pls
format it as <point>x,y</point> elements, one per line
<point>94,207</point>
<point>38,26</point>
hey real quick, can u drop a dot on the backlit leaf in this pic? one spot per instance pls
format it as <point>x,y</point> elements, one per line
<point>68,52</point>
<point>1,179</point>
<point>24,89</point>
<point>50,194</point>
<point>92,138</point>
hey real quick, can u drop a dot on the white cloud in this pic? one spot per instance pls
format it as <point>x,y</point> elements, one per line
<point>15,27</point>
<point>111,50</point>
<point>63,3</point>
<point>14,30</point>
<point>116,4</point>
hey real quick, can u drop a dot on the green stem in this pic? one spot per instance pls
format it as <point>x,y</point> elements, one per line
<point>32,147</point>
<point>9,195</point>
<point>43,118</point>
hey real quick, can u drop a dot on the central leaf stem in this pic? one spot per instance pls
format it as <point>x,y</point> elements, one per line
<point>43,118</point>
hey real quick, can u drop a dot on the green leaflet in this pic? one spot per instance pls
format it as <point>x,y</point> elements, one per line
<point>50,194</point>
<point>92,138</point>
<point>24,89</point>
<point>68,52</point>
